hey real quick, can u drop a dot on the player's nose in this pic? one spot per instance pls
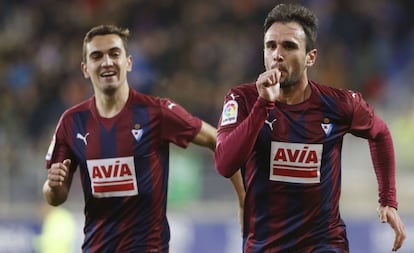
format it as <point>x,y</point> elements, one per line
<point>107,60</point>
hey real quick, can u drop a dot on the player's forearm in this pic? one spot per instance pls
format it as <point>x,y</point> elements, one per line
<point>55,196</point>
<point>207,136</point>
<point>238,186</point>
<point>233,148</point>
<point>383,158</point>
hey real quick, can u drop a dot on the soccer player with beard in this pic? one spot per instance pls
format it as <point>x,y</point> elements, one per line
<point>119,139</point>
<point>286,132</point>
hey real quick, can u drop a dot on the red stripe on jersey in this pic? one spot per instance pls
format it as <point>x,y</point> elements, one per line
<point>295,173</point>
<point>114,181</point>
<point>112,188</point>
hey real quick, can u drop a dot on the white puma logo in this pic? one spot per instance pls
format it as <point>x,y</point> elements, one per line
<point>171,105</point>
<point>233,96</point>
<point>83,138</point>
<point>270,123</point>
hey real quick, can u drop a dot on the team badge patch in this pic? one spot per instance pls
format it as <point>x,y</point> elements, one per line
<point>327,126</point>
<point>113,177</point>
<point>229,115</point>
<point>137,132</point>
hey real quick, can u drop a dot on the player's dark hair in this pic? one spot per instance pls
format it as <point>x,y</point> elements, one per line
<point>123,33</point>
<point>290,12</point>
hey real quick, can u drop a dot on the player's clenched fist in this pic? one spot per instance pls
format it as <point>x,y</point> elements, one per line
<point>268,84</point>
<point>58,173</point>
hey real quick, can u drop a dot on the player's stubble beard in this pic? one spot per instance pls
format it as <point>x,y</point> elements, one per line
<point>288,82</point>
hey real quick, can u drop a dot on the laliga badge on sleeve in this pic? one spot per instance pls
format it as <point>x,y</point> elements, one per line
<point>229,115</point>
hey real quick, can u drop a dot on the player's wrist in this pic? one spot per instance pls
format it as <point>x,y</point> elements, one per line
<point>262,102</point>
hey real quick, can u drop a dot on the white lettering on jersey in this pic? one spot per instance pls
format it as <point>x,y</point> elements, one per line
<point>229,115</point>
<point>113,177</point>
<point>295,162</point>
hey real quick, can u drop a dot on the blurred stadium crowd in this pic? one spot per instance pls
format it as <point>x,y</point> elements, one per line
<point>192,51</point>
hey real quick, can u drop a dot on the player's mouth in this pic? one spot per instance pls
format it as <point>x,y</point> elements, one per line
<point>108,74</point>
<point>278,66</point>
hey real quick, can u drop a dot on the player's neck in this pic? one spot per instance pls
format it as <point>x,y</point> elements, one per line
<point>295,94</point>
<point>109,105</point>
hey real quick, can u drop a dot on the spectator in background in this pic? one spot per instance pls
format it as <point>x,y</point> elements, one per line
<point>58,231</point>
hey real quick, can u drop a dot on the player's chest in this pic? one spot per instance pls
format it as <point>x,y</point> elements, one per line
<point>302,127</point>
<point>94,139</point>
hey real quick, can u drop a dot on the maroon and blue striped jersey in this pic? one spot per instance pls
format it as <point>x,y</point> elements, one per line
<point>123,163</point>
<point>290,158</point>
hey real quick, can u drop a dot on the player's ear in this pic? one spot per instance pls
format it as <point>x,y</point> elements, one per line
<point>129,63</point>
<point>85,70</point>
<point>311,57</point>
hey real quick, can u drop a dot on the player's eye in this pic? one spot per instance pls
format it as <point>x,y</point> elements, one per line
<point>271,45</point>
<point>290,45</point>
<point>96,55</point>
<point>115,53</point>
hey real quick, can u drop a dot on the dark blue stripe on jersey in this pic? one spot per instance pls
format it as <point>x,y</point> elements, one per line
<point>142,167</point>
<point>109,150</point>
<point>297,132</point>
<point>80,120</point>
<point>296,201</point>
<point>108,142</point>
<point>261,196</point>
<point>328,104</point>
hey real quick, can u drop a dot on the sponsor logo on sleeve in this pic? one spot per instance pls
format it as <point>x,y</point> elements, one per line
<point>229,115</point>
<point>295,162</point>
<point>112,177</point>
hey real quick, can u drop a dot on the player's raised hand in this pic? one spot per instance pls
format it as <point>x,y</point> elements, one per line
<point>389,215</point>
<point>58,173</point>
<point>268,84</point>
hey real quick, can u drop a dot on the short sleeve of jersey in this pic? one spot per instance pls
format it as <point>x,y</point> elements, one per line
<point>59,148</point>
<point>178,125</point>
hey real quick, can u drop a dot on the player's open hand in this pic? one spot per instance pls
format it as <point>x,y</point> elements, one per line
<point>268,84</point>
<point>389,215</point>
<point>58,173</point>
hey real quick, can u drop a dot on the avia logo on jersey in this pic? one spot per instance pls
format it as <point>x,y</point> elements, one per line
<point>295,162</point>
<point>113,177</point>
<point>229,115</point>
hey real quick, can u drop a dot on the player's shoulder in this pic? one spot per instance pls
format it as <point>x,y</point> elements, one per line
<point>341,94</point>
<point>154,104</point>
<point>146,100</point>
<point>80,107</point>
<point>247,91</point>
<point>244,88</point>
